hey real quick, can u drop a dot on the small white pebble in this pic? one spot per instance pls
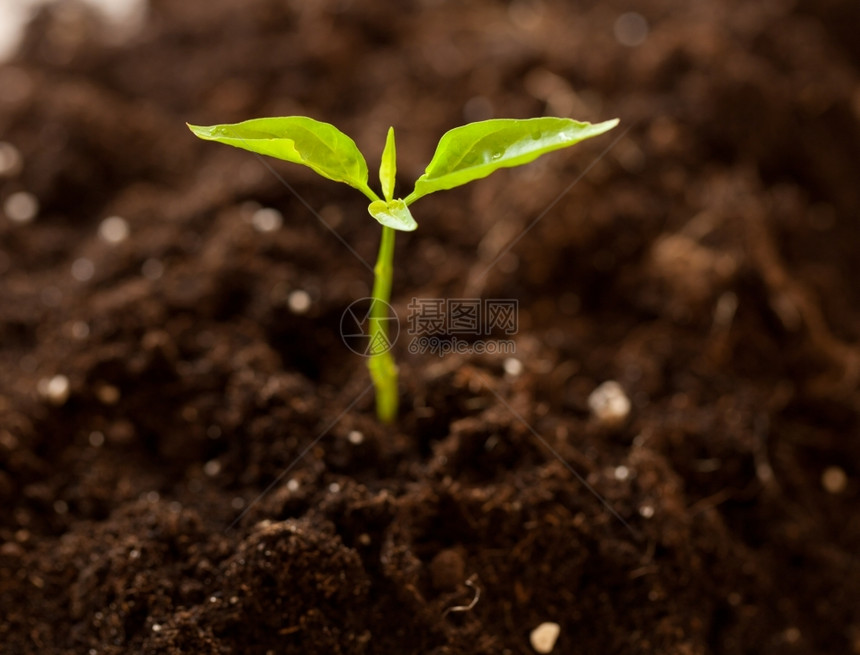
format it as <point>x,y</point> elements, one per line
<point>834,480</point>
<point>293,485</point>
<point>96,439</point>
<point>267,220</point>
<point>646,511</point>
<point>152,269</point>
<point>83,269</point>
<point>544,636</point>
<point>334,488</point>
<point>355,437</point>
<point>10,159</point>
<point>212,468</point>
<point>609,404</point>
<point>21,207</point>
<point>299,301</point>
<point>114,229</point>
<point>156,627</point>
<point>55,390</point>
<point>630,29</point>
<point>513,367</point>
<point>621,472</point>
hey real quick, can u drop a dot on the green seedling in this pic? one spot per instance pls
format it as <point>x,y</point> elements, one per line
<point>464,154</point>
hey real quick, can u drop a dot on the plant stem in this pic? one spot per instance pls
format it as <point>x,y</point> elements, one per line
<point>383,370</point>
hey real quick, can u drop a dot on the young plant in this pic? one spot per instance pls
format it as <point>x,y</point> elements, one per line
<point>464,154</point>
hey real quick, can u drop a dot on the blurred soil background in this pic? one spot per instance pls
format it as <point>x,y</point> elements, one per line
<point>189,461</point>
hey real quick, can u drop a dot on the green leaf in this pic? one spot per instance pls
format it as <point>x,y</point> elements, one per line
<point>298,139</point>
<point>394,214</point>
<point>388,166</point>
<point>473,151</point>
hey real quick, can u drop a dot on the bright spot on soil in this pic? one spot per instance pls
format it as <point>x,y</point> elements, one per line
<point>792,635</point>
<point>630,29</point>
<point>21,207</point>
<point>609,404</point>
<point>267,220</point>
<point>55,390</point>
<point>114,229</point>
<point>14,14</point>
<point>544,636</point>
<point>108,394</point>
<point>834,480</point>
<point>355,437</point>
<point>83,269</point>
<point>526,15</point>
<point>646,511</point>
<point>621,472</point>
<point>299,301</point>
<point>152,269</point>
<point>10,159</point>
<point>212,468</point>
<point>334,488</point>
<point>293,485</point>
<point>80,330</point>
<point>96,439</point>
<point>513,367</point>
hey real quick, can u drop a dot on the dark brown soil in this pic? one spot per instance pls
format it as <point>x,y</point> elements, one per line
<point>200,489</point>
